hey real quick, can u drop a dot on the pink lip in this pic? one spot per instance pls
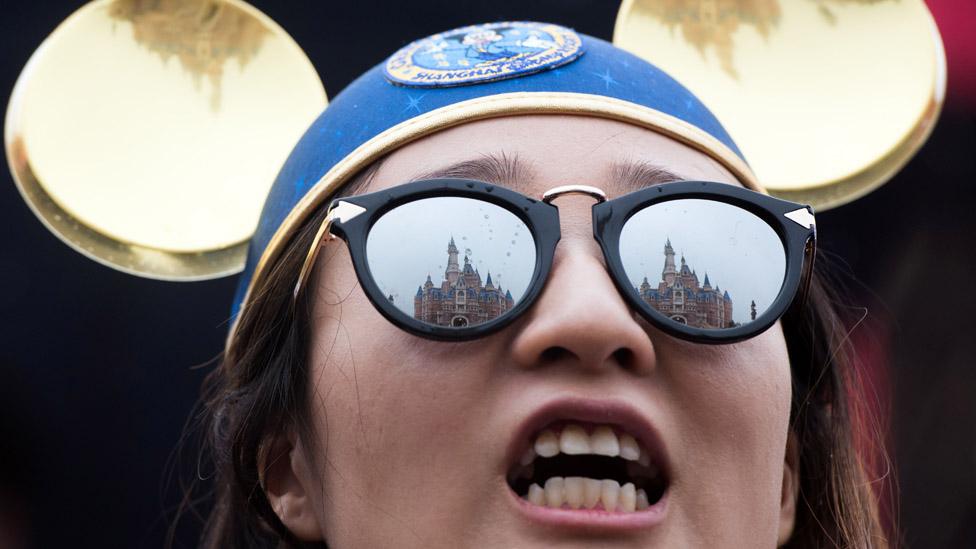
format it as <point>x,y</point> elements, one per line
<point>592,520</point>
<point>607,412</point>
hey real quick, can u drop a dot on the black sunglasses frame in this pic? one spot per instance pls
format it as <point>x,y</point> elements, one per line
<point>609,217</point>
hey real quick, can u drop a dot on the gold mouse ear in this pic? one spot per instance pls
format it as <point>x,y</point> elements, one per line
<point>827,99</point>
<point>146,134</point>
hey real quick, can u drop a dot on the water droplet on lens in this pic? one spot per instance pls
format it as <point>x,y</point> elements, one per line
<point>486,216</point>
<point>464,238</point>
<point>508,253</point>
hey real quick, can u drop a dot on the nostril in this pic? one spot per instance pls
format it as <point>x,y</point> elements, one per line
<point>555,354</point>
<point>625,357</point>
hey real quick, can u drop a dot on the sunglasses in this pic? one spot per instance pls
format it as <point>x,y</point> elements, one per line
<point>458,259</point>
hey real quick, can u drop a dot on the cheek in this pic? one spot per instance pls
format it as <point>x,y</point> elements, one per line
<point>354,354</point>
<point>748,393</point>
<point>384,404</point>
<point>732,410</point>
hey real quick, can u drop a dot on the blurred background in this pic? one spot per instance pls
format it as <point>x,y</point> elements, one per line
<point>99,370</point>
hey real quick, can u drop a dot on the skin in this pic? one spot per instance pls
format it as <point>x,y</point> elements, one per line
<point>410,434</point>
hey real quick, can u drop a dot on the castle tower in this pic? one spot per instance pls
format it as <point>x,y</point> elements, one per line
<point>727,306</point>
<point>453,269</point>
<point>687,279</point>
<point>645,286</point>
<point>471,278</point>
<point>669,271</point>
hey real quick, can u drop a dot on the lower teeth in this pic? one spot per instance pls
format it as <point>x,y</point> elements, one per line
<point>587,493</point>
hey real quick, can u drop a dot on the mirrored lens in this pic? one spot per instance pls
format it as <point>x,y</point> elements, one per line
<point>703,263</point>
<point>451,261</point>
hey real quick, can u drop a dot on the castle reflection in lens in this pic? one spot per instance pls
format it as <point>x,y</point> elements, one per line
<point>740,262</point>
<point>461,299</point>
<point>683,298</point>
<point>452,262</point>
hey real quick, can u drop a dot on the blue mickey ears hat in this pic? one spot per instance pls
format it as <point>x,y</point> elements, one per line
<point>466,74</point>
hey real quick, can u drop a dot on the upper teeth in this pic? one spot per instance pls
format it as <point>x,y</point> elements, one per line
<point>574,440</point>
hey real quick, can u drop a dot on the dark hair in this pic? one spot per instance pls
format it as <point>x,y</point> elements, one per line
<point>838,433</point>
<point>260,388</point>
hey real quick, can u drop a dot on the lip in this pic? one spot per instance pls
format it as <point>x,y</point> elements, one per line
<point>591,519</point>
<point>608,412</point>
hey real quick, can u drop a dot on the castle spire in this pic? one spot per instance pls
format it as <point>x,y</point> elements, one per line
<point>669,271</point>
<point>453,269</point>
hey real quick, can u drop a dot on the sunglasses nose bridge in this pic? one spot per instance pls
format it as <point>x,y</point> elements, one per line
<point>556,192</point>
<point>594,192</point>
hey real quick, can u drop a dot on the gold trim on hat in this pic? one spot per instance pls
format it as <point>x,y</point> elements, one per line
<point>492,106</point>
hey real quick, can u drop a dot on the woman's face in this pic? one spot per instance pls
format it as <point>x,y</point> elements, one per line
<point>415,438</point>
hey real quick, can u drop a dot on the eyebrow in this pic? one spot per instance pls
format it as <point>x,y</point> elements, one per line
<point>498,168</point>
<point>627,176</point>
<point>506,169</point>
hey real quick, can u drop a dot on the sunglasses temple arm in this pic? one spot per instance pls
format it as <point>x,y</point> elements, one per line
<point>313,252</point>
<point>810,255</point>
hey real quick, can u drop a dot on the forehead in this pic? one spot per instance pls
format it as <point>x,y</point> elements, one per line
<point>536,152</point>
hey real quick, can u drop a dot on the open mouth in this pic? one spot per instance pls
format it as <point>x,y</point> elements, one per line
<point>581,465</point>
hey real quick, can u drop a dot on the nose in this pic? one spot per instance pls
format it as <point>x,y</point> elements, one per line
<point>580,316</point>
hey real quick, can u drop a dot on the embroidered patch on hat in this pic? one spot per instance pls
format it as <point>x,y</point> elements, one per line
<point>483,53</point>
